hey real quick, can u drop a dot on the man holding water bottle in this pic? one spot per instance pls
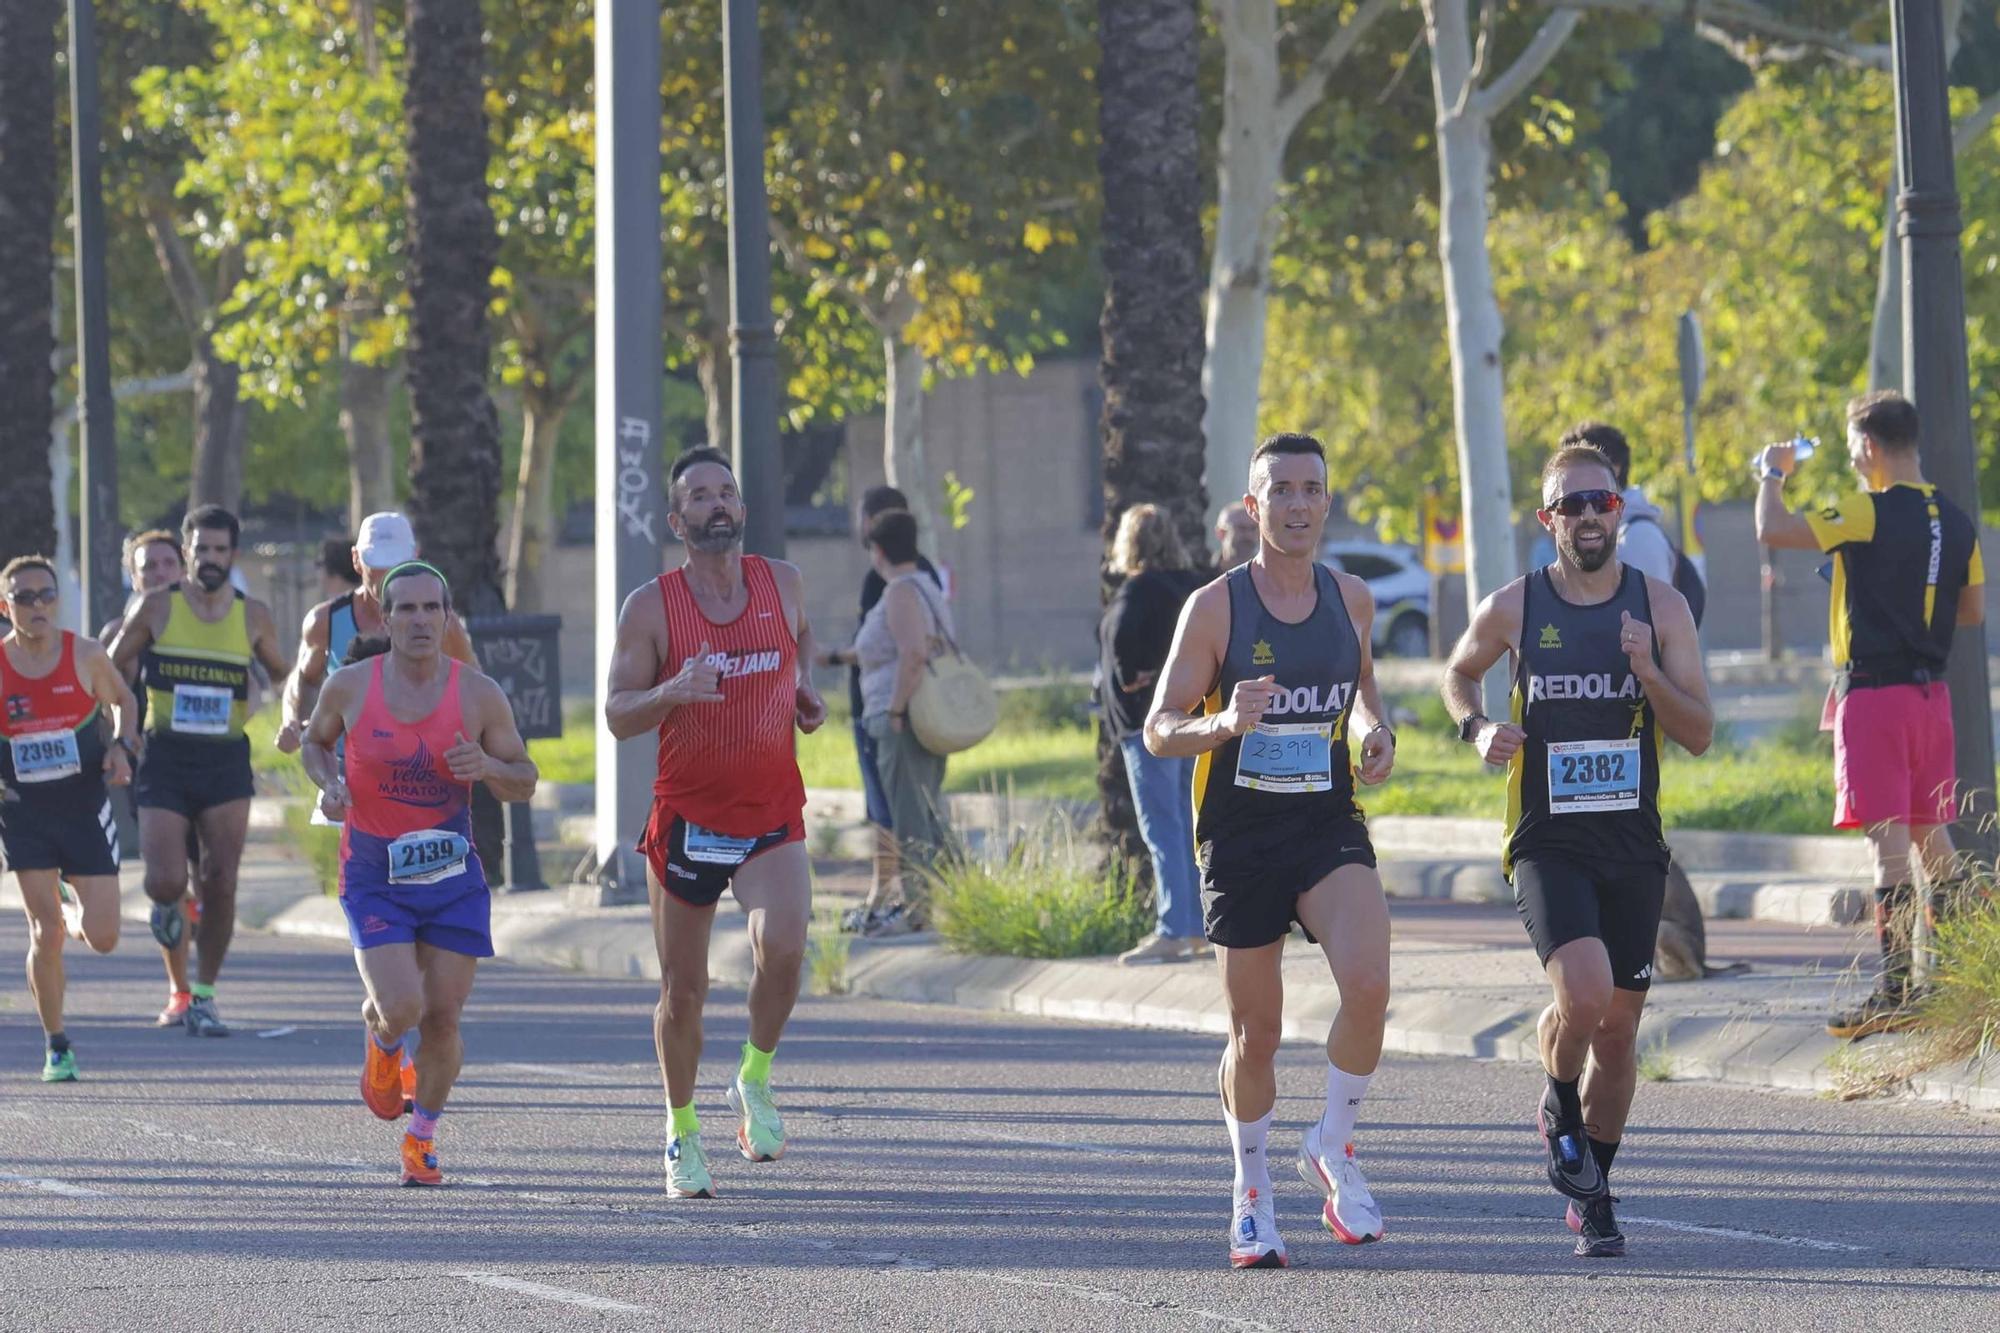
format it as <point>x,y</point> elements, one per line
<point>1906,571</point>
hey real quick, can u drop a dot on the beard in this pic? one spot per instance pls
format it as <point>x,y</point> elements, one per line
<point>719,534</point>
<point>1589,561</point>
<point>211,577</point>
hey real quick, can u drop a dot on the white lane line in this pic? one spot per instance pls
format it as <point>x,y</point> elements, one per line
<point>1097,1149</point>
<point>568,1073</point>
<point>1103,1297</point>
<point>542,1291</point>
<point>1732,1233</point>
<point>62,1187</point>
<point>278,1032</point>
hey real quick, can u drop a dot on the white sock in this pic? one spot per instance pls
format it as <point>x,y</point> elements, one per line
<point>1344,1092</point>
<point>1253,1171</point>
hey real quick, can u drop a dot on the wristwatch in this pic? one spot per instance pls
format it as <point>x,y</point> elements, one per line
<point>1772,474</point>
<point>1468,727</point>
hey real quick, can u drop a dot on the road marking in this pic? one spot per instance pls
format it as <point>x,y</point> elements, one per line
<point>1103,1297</point>
<point>542,1291</point>
<point>568,1073</point>
<point>278,1032</point>
<point>62,1187</point>
<point>1732,1233</point>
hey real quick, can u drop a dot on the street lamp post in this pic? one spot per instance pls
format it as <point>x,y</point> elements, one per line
<point>1934,363</point>
<point>753,347</point>
<point>97,422</point>
<point>631,527</point>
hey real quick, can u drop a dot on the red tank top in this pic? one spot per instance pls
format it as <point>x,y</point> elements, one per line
<point>52,744</point>
<point>55,702</point>
<point>733,766</point>
<point>396,775</point>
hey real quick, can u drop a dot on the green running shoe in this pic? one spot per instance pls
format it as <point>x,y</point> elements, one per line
<point>60,1068</point>
<point>761,1136</point>
<point>687,1169</point>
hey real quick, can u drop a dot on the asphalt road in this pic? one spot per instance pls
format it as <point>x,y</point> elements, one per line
<point>948,1170</point>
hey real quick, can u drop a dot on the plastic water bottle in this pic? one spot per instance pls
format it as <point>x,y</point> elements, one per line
<point>1803,446</point>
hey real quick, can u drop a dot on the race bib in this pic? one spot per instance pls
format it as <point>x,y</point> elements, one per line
<point>202,710</point>
<point>1286,757</point>
<point>427,856</point>
<point>1592,776</point>
<point>717,849</point>
<point>46,756</point>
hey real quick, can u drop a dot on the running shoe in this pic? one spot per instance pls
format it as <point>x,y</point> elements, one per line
<point>175,1014</point>
<point>687,1169</point>
<point>1254,1241</point>
<point>420,1162</point>
<point>72,909</point>
<point>1882,1011</point>
<point>381,1080</point>
<point>1596,1228</point>
<point>1572,1169</point>
<point>1351,1212</point>
<point>201,1019</point>
<point>60,1068</point>
<point>761,1135</point>
<point>1156,948</point>
<point>169,926</point>
<point>889,922</point>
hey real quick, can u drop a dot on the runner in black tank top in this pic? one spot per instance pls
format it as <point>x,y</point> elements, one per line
<point>1271,689</point>
<point>1606,667</point>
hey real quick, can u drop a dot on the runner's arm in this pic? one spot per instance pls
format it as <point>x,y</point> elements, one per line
<point>1175,728</point>
<point>1374,739</point>
<point>302,686</point>
<point>136,635</point>
<point>329,720</point>
<point>1677,686</point>
<point>1778,527</point>
<point>263,627</point>
<point>636,699</point>
<point>109,688</point>
<point>505,768</point>
<point>792,594</point>
<point>1495,630</point>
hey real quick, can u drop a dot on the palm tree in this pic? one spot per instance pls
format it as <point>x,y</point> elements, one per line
<point>27,227</point>
<point>1149,156</point>
<point>455,431</point>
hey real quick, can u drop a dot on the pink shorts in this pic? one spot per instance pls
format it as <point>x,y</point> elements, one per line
<point>1893,757</point>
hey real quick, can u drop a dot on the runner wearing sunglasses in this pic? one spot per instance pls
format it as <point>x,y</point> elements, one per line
<point>1606,668</point>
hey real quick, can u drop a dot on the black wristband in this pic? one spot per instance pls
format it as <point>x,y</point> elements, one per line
<point>1468,727</point>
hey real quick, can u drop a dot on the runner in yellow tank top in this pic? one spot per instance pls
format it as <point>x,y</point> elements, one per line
<point>193,645</point>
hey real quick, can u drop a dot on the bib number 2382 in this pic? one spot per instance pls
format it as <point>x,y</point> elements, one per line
<point>202,710</point>
<point>427,857</point>
<point>1286,757</point>
<point>1593,776</point>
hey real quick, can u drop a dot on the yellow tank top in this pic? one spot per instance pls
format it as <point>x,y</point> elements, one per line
<point>197,674</point>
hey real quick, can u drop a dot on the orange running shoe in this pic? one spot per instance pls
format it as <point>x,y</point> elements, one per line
<point>409,1084</point>
<point>381,1080</point>
<point>175,1014</point>
<point>420,1162</point>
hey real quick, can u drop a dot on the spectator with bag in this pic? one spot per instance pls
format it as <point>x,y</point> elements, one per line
<point>900,635</point>
<point>1133,639</point>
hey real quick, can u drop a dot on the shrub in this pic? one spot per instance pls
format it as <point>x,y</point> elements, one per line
<point>1961,1014</point>
<point>1041,892</point>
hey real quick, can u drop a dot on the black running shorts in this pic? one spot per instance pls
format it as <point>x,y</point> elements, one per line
<point>1250,888</point>
<point>188,777</point>
<point>76,837</point>
<point>695,864</point>
<point>1562,898</point>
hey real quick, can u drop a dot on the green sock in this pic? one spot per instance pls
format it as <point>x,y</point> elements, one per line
<point>756,1066</point>
<point>685,1121</point>
<point>201,990</point>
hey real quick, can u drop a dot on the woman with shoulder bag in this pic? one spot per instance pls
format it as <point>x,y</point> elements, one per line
<point>900,635</point>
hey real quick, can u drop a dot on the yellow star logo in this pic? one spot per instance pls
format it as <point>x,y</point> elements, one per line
<point>1551,638</point>
<point>1261,655</point>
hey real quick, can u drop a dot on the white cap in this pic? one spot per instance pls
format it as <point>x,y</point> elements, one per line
<point>386,541</point>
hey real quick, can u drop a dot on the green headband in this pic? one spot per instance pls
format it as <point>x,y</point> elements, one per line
<point>416,567</point>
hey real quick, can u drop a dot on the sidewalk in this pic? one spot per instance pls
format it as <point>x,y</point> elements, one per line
<point>1465,981</point>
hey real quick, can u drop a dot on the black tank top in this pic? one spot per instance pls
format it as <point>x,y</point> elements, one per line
<point>1587,779</point>
<point>1293,770</point>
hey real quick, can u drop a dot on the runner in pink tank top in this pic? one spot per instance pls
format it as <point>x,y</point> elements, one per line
<point>409,825</point>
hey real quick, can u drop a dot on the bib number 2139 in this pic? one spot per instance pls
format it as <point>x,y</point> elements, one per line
<point>426,857</point>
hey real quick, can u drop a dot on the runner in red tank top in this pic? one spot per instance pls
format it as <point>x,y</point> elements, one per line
<point>715,656</point>
<point>55,814</point>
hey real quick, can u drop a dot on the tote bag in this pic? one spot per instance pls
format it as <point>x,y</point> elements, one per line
<point>954,707</point>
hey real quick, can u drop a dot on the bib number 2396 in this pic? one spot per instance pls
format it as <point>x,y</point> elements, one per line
<point>1593,776</point>
<point>46,757</point>
<point>202,710</point>
<point>1286,757</point>
<point>426,857</point>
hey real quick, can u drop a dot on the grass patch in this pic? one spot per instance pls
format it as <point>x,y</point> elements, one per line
<point>826,955</point>
<point>1044,893</point>
<point>1655,1065</point>
<point>572,756</point>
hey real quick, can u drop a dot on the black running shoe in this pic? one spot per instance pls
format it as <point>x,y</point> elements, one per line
<point>168,924</point>
<point>1882,1011</point>
<point>1572,1169</point>
<point>1596,1228</point>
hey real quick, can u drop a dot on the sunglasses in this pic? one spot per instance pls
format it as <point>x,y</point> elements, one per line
<point>1572,505</point>
<point>34,597</point>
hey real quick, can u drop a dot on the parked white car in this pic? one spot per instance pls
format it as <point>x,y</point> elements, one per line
<point>1402,588</point>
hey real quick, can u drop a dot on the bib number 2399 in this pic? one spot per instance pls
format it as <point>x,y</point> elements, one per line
<point>202,710</point>
<point>1286,757</point>
<point>426,857</point>
<point>1593,776</point>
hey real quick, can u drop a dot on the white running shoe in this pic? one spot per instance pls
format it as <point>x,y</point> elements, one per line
<point>1351,1212</point>
<point>1254,1241</point>
<point>687,1169</point>
<point>760,1136</point>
